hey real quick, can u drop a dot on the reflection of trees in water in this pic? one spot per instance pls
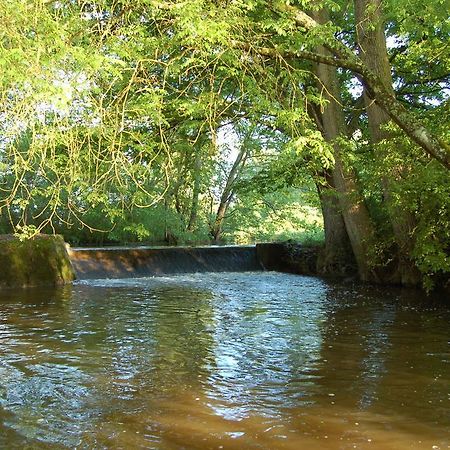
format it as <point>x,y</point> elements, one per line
<point>91,358</point>
<point>168,355</point>
<point>417,374</point>
<point>183,326</point>
<point>155,339</point>
<point>383,351</point>
<point>102,360</point>
<point>154,350</point>
<point>39,374</point>
<point>356,343</point>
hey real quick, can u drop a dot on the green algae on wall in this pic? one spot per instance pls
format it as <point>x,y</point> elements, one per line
<point>40,261</point>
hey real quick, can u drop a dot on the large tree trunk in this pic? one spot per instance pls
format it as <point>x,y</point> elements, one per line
<point>356,217</point>
<point>372,43</point>
<point>337,257</point>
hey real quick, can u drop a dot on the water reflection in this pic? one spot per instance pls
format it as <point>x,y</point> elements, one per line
<point>260,360</point>
<point>41,390</point>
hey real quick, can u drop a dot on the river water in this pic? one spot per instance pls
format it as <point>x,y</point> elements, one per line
<point>237,361</point>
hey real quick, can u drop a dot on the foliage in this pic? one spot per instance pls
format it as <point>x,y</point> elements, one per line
<point>112,118</point>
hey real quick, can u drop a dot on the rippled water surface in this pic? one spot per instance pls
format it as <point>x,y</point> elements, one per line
<point>232,361</point>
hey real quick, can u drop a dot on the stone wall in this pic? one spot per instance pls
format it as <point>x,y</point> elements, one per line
<point>40,261</point>
<point>288,257</point>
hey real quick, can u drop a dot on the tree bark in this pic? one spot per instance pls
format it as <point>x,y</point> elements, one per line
<point>337,257</point>
<point>356,217</point>
<point>372,43</point>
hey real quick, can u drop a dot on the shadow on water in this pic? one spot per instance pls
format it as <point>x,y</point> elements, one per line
<point>223,360</point>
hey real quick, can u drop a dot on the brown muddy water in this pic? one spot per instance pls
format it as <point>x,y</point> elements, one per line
<point>223,361</point>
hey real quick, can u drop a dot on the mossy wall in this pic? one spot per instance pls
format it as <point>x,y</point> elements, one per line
<point>40,261</point>
<point>288,257</point>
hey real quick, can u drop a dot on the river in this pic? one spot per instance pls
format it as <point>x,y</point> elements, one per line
<point>255,360</point>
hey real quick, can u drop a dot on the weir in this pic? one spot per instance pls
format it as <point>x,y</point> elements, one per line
<point>135,262</point>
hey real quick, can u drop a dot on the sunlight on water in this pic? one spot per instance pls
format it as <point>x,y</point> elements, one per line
<point>223,360</point>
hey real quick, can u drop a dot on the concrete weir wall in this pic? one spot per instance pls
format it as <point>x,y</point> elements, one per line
<point>44,260</point>
<point>120,262</point>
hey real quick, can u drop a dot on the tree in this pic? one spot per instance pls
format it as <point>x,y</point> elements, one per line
<point>231,177</point>
<point>372,43</point>
<point>356,218</point>
<point>125,101</point>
